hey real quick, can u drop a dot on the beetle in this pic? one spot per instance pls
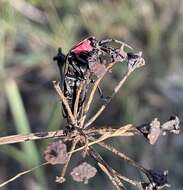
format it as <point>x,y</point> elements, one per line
<point>90,54</point>
<point>87,58</point>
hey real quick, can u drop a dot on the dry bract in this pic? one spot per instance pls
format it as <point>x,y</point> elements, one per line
<point>56,153</point>
<point>83,172</point>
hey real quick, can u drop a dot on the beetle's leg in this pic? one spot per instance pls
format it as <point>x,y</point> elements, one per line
<point>83,64</point>
<point>70,89</point>
<point>102,42</point>
<point>105,98</point>
<point>76,67</point>
<point>78,70</point>
<point>71,62</point>
<point>67,86</point>
<point>67,93</point>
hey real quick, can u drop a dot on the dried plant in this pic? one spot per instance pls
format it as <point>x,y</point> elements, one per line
<point>80,133</point>
<point>83,172</point>
<point>56,153</point>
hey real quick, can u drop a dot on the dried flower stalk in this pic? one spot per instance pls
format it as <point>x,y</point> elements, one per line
<point>79,134</point>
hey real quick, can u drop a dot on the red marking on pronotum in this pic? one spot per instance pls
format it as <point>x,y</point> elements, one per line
<point>84,46</point>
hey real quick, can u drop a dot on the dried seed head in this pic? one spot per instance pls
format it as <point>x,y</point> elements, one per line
<point>157,178</point>
<point>83,172</point>
<point>135,61</point>
<point>56,153</point>
<point>171,126</point>
<point>147,186</point>
<point>151,131</point>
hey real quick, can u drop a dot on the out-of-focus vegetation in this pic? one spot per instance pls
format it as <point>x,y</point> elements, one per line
<point>30,33</point>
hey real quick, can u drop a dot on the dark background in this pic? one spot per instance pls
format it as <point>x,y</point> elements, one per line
<point>30,33</point>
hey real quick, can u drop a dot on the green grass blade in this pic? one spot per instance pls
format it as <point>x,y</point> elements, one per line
<point>22,126</point>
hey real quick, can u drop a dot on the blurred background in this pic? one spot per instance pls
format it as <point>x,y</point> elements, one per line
<point>30,34</point>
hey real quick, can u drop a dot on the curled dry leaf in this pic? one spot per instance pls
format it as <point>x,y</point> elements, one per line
<point>83,172</point>
<point>171,126</point>
<point>135,61</point>
<point>56,153</point>
<point>154,131</point>
<point>151,131</point>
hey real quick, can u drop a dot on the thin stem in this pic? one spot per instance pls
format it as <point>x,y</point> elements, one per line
<point>21,174</point>
<point>123,156</point>
<point>131,68</point>
<point>65,102</point>
<point>90,100</point>
<point>109,129</point>
<point>76,104</point>
<point>124,178</point>
<point>61,179</point>
<point>116,89</point>
<point>97,82</point>
<point>119,132</point>
<point>106,169</point>
<point>30,137</point>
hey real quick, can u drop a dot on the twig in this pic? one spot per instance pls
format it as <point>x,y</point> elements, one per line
<point>90,100</point>
<point>115,173</point>
<point>131,68</point>
<point>81,115</point>
<point>103,130</point>
<point>103,168</point>
<point>30,137</point>
<point>21,174</point>
<point>65,102</point>
<point>86,147</point>
<point>97,82</point>
<point>112,174</point>
<point>123,156</point>
<point>116,89</point>
<point>126,179</point>
<point>106,169</point>
<point>76,104</point>
<point>119,132</point>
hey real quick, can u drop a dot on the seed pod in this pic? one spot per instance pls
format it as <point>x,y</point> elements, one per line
<point>56,153</point>
<point>83,172</point>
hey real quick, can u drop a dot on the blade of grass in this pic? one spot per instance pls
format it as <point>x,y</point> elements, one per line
<point>22,126</point>
<point>13,152</point>
<point>55,117</point>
